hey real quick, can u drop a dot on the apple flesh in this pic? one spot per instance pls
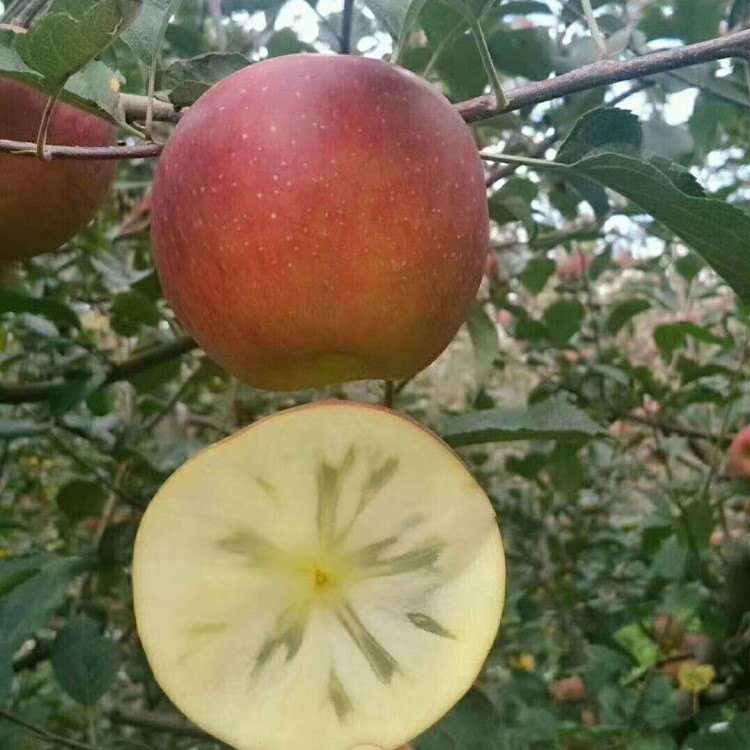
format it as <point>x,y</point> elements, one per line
<point>318,219</point>
<point>330,577</point>
<point>44,204</point>
<point>739,455</point>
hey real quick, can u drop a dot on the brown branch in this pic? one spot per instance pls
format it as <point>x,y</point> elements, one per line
<point>156,722</point>
<point>607,72</point>
<point>588,77</point>
<point>90,153</point>
<point>56,740</point>
<point>673,428</point>
<point>32,392</point>
<point>474,110</point>
<point>135,109</point>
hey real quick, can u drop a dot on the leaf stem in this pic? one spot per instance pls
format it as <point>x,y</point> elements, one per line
<point>41,138</point>
<point>523,161</point>
<point>484,52</point>
<point>173,7</point>
<point>596,34</point>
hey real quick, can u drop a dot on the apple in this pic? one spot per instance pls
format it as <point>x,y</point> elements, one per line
<point>44,204</point>
<point>318,219</point>
<point>572,268</point>
<point>569,690</point>
<point>739,455</point>
<point>330,577</point>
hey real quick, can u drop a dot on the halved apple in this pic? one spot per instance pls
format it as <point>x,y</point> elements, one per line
<point>329,577</point>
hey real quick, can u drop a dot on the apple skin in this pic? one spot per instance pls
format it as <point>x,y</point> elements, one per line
<point>43,204</point>
<point>318,219</point>
<point>739,455</point>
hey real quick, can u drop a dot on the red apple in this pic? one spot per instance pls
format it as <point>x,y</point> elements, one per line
<point>569,690</point>
<point>571,268</point>
<point>43,204</point>
<point>318,219</point>
<point>739,455</point>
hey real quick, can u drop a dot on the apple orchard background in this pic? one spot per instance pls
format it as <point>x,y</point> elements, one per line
<point>593,392</point>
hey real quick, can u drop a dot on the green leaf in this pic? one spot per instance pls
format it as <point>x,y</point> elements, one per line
<point>392,14</point>
<point>512,202</point>
<point>48,307</point>
<point>672,336</point>
<point>130,311</point>
<point>537,273</point>
<point>623,312</point>
<point>718,231</point>
<point>94,89</point>
<point>76,387</point>
<point>634,639</point>
<point>689,266</point>
<point>563,319</point>
<point>614,128</point>
<point>286,42</point>
<point>187,80</point>
<point>736,736</point>
<point>28,606</point>
<point>471,725</point>
<point>484,340</point>
<point>58,45</point>
<point>142,35</point>
<point>84,661</point>
<point>553,419</point>
<point>80,498</point>
<point>522,52</point>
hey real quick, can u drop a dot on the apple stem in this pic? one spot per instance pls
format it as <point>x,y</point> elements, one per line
<point>173,7</point>
<point>41,138</point>
<point>389,393</point>
<point>484,52</point>
<point>596,34</point>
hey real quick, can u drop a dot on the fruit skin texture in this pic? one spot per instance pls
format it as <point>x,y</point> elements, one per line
<point>739,455</point>
<point>43,204</point>
<point>318,219</point>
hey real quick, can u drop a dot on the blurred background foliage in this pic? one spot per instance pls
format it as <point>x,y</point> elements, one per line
<point>593,392</point>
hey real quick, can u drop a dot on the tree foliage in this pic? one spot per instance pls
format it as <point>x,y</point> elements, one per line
<point>593,392</point>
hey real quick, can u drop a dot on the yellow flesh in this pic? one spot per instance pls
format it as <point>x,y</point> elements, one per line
<point>329,577</point>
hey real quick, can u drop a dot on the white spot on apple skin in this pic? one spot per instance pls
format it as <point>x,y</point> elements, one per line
<point>273,216</point>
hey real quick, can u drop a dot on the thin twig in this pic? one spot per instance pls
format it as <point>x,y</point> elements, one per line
<point>43,734</point>
<point>155,721</point>
<point>347,17</point>
<point>609,71</point>
<point>158,355</point>
<point>602,73</point>
<point>83,153</point>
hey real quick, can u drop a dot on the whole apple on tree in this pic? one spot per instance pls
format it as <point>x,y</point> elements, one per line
<point>44,203</point>
<point>318,219</point>
<point>739,455</point>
